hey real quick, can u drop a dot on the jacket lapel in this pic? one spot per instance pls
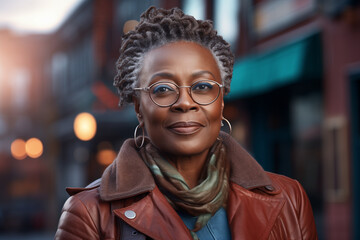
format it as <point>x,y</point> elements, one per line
<point>128,176</point>
<point>154,217</point>
<point>122,178</point>
<point>245,171</point>
<point>251,215</point>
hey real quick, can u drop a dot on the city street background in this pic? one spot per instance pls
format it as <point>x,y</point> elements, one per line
<point>294,102</point>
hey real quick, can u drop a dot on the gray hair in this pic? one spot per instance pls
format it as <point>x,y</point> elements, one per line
<point>158,27</point>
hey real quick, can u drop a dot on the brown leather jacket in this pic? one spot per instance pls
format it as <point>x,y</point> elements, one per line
<point>261,205</point>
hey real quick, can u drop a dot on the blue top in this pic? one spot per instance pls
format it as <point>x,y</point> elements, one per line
<point>217,228</point>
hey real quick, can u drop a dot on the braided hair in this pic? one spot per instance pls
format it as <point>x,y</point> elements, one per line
<point>158,27</point>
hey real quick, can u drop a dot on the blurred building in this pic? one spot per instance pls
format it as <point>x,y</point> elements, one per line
<point>27,185</point>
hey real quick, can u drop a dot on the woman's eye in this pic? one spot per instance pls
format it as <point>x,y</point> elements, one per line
<point>202,86</point>
<point>163,88</point>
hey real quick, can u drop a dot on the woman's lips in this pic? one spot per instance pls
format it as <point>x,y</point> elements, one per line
<point>185,127</point>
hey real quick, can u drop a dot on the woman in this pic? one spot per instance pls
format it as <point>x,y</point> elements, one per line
<point>186,180</point>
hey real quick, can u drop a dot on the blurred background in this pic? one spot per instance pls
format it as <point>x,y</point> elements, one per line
<point>294,101</point>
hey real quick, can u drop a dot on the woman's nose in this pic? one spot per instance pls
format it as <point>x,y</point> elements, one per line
<point>185,102</point>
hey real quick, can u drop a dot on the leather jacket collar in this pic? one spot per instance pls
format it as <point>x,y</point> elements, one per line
<point>132,177</point>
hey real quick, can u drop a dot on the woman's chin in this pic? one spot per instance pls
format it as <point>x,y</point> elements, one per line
<point>185,147</point>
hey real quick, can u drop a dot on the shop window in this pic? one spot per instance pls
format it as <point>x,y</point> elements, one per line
<point>81,65</point>
<point>59,65</point>
<point>272,16</point>
<point>226,19</point>
<point>307,118</point>
<point>20,88</point>
<point>195,8</point>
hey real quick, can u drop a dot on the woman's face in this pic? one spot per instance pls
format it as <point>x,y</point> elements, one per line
<point>184,128</point>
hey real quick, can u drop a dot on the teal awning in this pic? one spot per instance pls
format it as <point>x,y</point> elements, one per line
<point>291,63</point>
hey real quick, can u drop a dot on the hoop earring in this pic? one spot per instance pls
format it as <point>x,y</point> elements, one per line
<point>228,123</point>
<point>143,136</point>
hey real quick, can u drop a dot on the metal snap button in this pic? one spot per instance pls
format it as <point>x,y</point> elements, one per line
<point>130,214</point>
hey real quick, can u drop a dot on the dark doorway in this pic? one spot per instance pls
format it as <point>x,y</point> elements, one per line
<point>355,146</point>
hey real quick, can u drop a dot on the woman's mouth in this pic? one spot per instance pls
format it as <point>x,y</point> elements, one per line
<point>185,128</point>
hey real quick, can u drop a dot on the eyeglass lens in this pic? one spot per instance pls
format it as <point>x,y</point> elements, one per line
<point>202,92</point>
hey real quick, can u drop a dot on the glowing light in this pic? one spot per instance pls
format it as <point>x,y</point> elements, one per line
<point>130,25</point>
<point>106,154</point>
<point>85,126</point>
<point>34,148</point>
<point>18,149</point>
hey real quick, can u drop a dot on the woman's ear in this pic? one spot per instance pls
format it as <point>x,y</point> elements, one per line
<point>222,107</point>
<point>136,104</point>
<point>137,109</point>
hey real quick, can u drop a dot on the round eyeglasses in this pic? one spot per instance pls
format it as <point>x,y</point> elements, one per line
<point>165,94</point>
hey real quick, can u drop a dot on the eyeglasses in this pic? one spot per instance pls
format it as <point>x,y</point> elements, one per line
<point>165,94</point>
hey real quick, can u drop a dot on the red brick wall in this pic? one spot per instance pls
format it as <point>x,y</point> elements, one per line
<point>170,3</point>
<point>103,20</point>
<point>341,50</point>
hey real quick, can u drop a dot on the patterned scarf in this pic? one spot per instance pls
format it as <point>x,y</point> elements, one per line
<point>203,200</point>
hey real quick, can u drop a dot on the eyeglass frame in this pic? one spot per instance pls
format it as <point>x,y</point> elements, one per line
<point>147,89</point>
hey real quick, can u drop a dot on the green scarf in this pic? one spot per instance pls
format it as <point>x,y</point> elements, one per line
<point>203,200</point>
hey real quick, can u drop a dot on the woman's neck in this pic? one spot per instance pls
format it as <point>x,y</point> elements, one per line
<point>190,167</point>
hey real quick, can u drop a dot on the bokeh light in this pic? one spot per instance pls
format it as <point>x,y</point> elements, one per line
<point>106,154</point>
<point>34,148</point>
<point>85,126</point>
<point>18,150</point>
<point>130,25</point>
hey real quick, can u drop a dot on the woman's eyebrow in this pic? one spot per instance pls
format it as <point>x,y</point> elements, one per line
<point>200,73</point>
<point>162,74</point>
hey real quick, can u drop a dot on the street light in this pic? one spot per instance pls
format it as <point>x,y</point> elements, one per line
<point>85,126</point>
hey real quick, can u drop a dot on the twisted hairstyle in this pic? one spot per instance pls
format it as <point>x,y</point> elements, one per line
<point>158,27</point>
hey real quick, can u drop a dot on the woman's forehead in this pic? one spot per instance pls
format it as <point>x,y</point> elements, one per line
<point>180,57</point>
